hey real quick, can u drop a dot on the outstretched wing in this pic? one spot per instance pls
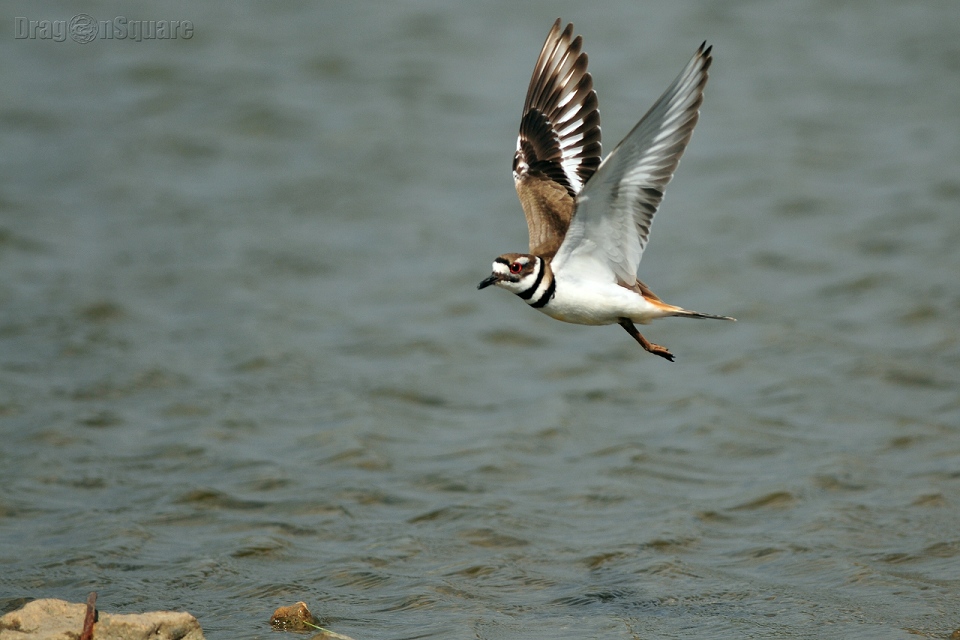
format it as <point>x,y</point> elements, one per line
<point>614,210</point>
<point>558,148</point>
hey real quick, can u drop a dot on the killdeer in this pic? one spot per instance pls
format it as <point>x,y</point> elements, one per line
<point>589,221</point>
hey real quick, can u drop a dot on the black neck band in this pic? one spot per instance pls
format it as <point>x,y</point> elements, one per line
<point>545,298</point>
<point>526,295</point>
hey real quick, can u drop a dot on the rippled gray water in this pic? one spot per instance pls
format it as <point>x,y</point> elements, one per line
<point>243,361</point>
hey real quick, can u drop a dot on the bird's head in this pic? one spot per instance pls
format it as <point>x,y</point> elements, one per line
<point>515,272</point>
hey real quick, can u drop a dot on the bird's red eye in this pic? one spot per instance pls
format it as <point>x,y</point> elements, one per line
<point>516,268</point>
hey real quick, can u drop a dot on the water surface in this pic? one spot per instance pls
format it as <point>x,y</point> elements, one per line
<point>243,361</point>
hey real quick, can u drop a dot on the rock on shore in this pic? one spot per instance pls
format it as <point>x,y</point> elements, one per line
<point>60,620</point>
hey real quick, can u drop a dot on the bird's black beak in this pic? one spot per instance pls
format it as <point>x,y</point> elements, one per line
<point>489,281</point>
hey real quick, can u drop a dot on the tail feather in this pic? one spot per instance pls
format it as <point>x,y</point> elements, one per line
<point>680,312</point>
<point>683,313</point>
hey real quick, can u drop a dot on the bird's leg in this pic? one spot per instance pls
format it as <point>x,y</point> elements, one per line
<point>655,349</point>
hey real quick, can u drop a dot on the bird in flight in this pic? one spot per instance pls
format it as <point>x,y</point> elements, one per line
<point>589,221</point>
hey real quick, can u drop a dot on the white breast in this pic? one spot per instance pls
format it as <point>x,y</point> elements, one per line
<point>597,303</point>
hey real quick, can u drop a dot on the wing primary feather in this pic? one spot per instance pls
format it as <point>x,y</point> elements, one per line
<point>614,211</point>
<point>558,147</point>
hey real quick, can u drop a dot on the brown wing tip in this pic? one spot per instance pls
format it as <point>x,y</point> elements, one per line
<point>560,94</point>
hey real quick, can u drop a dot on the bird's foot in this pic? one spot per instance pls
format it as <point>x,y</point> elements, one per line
<point>657,350</point>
